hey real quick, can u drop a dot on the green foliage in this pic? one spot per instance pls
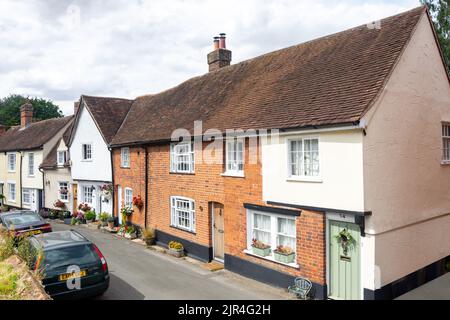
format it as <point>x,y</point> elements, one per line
<point>8,280</point>
<point>148,233</point>
<point>440,11</point>
<point>6,245</point>
<point>90,215</point>
<point>27,252</point>
<point>42,109</point>
<point>104,217</point>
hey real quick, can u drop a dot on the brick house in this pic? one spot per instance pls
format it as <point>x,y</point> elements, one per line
<point>338,178</point>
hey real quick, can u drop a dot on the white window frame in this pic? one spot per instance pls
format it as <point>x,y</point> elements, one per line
<point>85,189</point>
<point>125,157</point>
<point>445,143</point>
<point>58,158</point>
<point>176,155</point>
<point>31,166</point>
<point>303,177</point>
<point>232,165</point>
<point>60,183</point>
<point>12,168</point>
<point>10,198</point>
<point>128,198</point>
<point>189,213</point>
<point>273,234</point>
<point>83,154</point>
<point>24,192</point>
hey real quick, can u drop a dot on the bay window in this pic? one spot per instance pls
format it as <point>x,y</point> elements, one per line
<point>182,157</point>
<point>182,213</point>
<point>304,157</point>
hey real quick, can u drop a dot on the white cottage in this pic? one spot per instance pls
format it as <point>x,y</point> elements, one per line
<point>96,122</point>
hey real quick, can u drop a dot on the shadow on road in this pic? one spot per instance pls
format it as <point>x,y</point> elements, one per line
<point>120,290</point>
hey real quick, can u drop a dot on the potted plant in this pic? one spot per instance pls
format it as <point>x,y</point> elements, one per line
<point>59,204</point>
<point>104,218</point>
<point>138,203</point>
<point>130,232</point>
<point>90,216</point>
<point>127,211</point>
<point>85,207</point>
<point>284,254</point>
<point>149,236</point>
<point>176,249</point>
<point>52,215</point>
<point>260,248</point>
<point>110,221</point>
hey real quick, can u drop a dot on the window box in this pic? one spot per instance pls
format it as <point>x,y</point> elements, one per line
<point>261,252</point>
<point>284,258</point>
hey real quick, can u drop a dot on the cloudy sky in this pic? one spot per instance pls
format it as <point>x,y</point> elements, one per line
<point>60,49</point>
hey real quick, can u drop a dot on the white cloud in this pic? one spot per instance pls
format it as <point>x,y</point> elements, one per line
<point>60,49</point>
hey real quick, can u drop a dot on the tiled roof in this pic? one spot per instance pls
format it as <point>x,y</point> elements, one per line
<point>331,80</point>
<point>108,113</point>
<point>32,137</point>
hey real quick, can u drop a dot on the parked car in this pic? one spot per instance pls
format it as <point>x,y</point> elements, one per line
<point>24,223</point>
<point>65,257</point>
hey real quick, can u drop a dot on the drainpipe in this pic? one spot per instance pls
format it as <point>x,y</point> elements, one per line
<point>146,187</point>
<point>20,179</point>
<point>43,189</point>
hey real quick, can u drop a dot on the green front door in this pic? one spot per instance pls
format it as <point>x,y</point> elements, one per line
<point>344,260</point>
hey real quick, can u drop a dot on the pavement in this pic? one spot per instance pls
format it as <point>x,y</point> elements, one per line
<point>438,289</point>
<point>138,273</point>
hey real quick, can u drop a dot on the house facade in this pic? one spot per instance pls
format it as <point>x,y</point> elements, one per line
<point>96,122</point>
<point>359,135</point>
<point>23,149</point>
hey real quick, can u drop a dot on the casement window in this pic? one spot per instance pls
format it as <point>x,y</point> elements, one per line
<point>87,152</point>
<point>64,191</point>
<point>12,192</point>
<point>446,142</point>
<point>304,158</point>
<point>62,158</point>
<point>235,156</point>
<point>87,194</point>
<point>26,196</point>
<point>182,157</point>
<point>11,162</point>
<point>271,229</point>
<point>128,198</point>
<point>125,157</point>
<point>182,213</point>
<point>31,164</point>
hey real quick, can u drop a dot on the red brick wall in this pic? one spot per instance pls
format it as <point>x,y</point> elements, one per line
<point>208,185</point>
<point>133,177</point>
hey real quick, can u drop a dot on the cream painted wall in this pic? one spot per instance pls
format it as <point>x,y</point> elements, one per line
<point>341,166</point>
<point>34,181</point>
<point>12,177</point>
<point>404,181</point>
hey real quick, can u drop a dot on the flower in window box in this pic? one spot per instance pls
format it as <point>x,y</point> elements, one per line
<point>138,203</point>
<point>260,248</point>
<point>127,211</point>
<point>284,254</point>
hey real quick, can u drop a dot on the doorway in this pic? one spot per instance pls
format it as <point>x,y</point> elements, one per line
<point>217,216</point>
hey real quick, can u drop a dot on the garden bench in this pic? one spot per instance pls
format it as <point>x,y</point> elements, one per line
<point>301,288</point>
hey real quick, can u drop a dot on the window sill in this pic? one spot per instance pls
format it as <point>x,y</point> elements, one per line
<point>445,162</point>
<point>181,229</point>
<point>90,160</point>
<point>183,173</point>
<point>271,259</point>
<point>123,167</point>
<point>305,179</point>
<point>65,201</point>
<point>233,174</point>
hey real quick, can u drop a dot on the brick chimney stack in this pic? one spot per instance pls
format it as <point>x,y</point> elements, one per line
<point>26,114</point>
<point>221,56</point>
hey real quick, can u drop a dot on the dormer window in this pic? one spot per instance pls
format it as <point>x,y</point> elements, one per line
<point>62,158</point>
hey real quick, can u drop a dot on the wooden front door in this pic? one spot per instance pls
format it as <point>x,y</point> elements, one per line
<point>218,230</point>
<point>344,261</point>
<point>75,197</point>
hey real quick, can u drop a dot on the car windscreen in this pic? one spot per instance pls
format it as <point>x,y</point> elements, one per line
<point>79,255</point>
<point>22,219</point>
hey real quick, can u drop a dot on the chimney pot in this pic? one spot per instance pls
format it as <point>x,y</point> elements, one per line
<point>216,43</point>
<point>26,114</point>
<point>222,44</point>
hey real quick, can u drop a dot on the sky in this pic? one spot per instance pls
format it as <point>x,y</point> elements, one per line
<point>58,49</point>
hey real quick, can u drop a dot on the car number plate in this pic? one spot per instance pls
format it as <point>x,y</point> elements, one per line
<point>67,276</point>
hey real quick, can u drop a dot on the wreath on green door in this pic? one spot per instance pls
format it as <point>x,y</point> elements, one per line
<point>346,240</point>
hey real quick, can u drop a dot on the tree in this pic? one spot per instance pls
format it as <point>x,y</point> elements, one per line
<point>440,12</point>
<point>42,109</point>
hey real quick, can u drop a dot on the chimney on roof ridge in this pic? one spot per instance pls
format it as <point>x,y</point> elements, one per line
<point>220,57</point>
<point>26,114</point>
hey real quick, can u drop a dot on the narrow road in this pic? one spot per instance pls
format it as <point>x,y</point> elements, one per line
<point>138,273</point>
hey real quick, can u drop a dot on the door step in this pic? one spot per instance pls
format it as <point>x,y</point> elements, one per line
<point>213,266</point>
